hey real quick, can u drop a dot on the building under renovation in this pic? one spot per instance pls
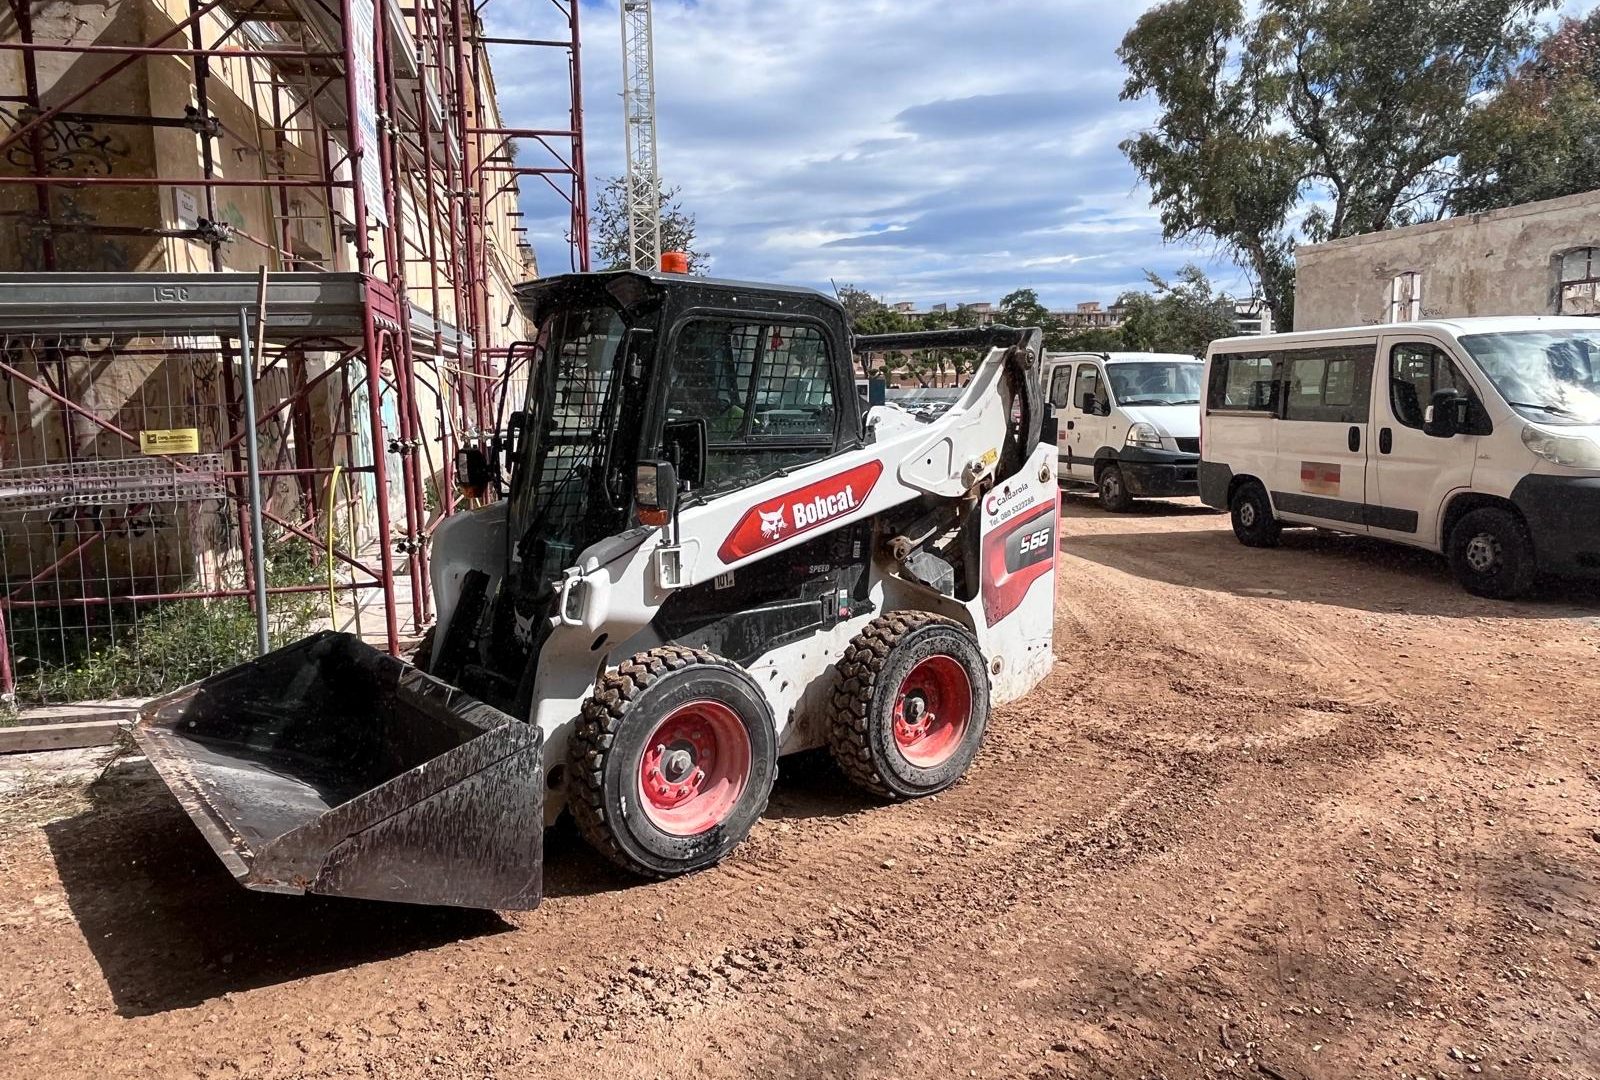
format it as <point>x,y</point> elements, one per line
<point>293,216</point>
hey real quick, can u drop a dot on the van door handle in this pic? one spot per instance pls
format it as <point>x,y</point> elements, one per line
<point>1071,424</point>
<point>1355,438</point>
<point>1386,440</point>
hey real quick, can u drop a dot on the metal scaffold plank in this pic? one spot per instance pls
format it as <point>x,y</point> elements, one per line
<point>298,304</point>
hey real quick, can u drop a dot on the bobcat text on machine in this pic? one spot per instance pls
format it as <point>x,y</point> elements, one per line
<point>711,554</point>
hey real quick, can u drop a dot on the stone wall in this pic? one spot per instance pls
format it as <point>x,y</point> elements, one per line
<point>1501,263</point>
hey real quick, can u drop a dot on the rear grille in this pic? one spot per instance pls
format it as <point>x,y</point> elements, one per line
<point>1188,446</point>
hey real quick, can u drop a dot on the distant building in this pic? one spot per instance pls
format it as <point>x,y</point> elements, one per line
<point>1540,258</point>
<point>1091,316</point>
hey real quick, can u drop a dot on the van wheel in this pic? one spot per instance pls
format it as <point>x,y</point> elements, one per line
<point>1491,554</point>
<point>1114,490</point>
<point>672,761</point>
<point>1253,522</point>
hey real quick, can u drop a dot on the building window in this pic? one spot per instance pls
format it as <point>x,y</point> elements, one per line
<point>1580,282</point>
<point>1405,297</point>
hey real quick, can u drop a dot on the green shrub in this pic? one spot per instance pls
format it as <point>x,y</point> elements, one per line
<point>170,644</point>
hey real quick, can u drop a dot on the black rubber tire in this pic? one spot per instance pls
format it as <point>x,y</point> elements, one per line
<point>861,736</point>
<point>606,748</point>
<point>1113,489</point>
<point>1253,520</point>
<point>1491,554</point>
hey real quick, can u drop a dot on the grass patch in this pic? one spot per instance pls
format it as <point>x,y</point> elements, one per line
<point>168,645</point>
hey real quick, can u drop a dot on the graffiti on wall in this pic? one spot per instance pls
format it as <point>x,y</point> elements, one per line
<point>83,250</point>
<point>64,146</point>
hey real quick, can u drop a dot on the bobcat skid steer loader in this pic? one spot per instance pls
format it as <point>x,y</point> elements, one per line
<point>711,554</point>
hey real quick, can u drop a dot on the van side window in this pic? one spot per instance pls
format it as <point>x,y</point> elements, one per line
<point>1242,384</point>
<point>1088,383</point>
<point>1330,385</point>
<point>1060,386</point>
<point>1416,373</point>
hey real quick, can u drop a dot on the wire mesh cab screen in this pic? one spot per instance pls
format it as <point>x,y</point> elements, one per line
<point>764,389</point>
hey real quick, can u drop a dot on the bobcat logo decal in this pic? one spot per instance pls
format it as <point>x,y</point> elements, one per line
<point>773,524</point>
<point>814,506</point>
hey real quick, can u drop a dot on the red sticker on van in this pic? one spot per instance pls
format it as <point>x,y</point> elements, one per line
<point>800,511</point>
<point>1319,476</point>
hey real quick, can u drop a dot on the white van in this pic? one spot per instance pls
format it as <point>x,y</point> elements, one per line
<point>1128,423</point>
<point>1478,438</point>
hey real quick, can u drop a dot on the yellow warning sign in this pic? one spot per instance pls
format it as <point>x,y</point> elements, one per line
<point>184,440</point>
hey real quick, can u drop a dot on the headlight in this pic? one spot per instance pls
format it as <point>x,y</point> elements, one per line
<point>1144,435</point>
<point>1573,451</point>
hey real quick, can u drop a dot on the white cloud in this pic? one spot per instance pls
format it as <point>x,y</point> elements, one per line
<point>924,150</point>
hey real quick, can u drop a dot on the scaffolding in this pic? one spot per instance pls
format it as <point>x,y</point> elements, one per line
<point>151,151</point>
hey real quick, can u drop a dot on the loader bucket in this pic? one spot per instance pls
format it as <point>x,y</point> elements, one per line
<point>329,767</point>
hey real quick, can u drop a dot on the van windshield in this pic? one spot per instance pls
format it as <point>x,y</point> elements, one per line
<point>1175,383</point>
<point>1552,376</point>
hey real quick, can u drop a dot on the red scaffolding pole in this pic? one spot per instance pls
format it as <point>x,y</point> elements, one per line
<point>401,180</point>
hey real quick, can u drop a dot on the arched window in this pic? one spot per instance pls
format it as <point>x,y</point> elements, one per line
<point>1580,282</point>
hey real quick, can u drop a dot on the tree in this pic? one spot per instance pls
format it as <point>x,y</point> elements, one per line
<point>869,315</point>
<point>1021,308</point>
<point>1539,137</point>
<point>611,227</point>
<point>1326,119</point>
<point>1184,315</point>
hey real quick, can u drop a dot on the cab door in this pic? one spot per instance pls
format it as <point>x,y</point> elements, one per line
<point>1323,436</point>
<point>1060,393</point>
<point>1088,420</point>
<point>1414,473</point>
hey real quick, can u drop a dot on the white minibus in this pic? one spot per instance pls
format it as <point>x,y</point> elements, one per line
<point>1477,438</point>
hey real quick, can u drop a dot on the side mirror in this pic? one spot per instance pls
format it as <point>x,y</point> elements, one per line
<point>472,472</point>
<point>683,443</point>
<point>655,491</point>
<point>1446,414</point>
<point>516,425</point>
<point>1088,404</point>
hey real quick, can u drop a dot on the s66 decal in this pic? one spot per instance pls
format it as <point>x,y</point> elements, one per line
<point>1014,557</point>
<point>818,503</point>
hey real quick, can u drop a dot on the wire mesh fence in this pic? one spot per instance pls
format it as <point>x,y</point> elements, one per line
<point>125,558</point>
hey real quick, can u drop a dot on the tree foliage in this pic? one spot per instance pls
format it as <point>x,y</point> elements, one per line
<point>1539,137</point>
<point>610,227</point>
<point>1183,315</point>
<point>1323,119</point>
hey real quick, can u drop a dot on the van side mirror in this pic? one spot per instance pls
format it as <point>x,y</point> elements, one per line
<point>1090,404</point>
<point>1446,414</point>
<point>655,491</point>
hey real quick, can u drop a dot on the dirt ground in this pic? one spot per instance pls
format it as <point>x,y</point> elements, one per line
<point>1311,812</point>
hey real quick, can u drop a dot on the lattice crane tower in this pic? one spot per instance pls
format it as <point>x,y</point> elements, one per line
<point>639,112</point>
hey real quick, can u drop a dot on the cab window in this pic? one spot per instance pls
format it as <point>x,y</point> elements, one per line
<point>765,391</point>
<point>1061,386</point>
<point>1417,372</point>
<point>1088,386</point>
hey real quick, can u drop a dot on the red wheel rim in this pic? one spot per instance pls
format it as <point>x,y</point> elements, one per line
<point>932,711</point>
<point>695,767</point>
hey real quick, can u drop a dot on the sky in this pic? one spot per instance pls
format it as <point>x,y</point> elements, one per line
<point>923,150</point>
